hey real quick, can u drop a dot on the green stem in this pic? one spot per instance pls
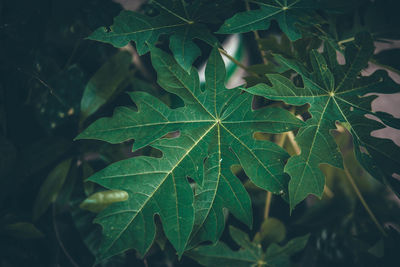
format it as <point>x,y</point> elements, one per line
<point>222,51</point>
<point>267,205</point>
<point>363,202</point>
<point>351,39</point>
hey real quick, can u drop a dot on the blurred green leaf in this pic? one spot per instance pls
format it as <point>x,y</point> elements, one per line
<point>22,230</point>
<point>50,188</point>
<point>249,254</point>
<point>105,83</point>
<point>272,231</point>
<point>287,13</point>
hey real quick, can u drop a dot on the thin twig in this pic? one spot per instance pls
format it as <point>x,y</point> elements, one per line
<point>348,40</point>
<point>222,51</point>
<point>51,91</point>
<point>363,202</point>
<point>59,239</point>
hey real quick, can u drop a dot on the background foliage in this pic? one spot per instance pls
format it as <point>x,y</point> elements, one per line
<point>56,81</point>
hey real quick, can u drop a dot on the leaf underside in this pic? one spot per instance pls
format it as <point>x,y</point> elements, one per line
<point>336,93</point>
<point>216,128</point>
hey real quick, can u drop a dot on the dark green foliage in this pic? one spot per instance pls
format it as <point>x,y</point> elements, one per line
<point>121,144</point>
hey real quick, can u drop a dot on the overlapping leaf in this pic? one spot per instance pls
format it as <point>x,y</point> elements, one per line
<point>216,129</point>
<point>249,254</point>
<point>287,13</point>
<point>184,22</point>
<point>336,93</point>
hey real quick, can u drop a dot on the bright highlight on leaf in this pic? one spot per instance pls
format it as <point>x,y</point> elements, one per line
<point>336,93</point>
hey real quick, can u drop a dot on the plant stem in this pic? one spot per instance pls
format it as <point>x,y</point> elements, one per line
<point>257,38</point>
<point>267,205</point>
<point>363,202</point>
<point>73,263</point>
<point>234,60</point>
<point>346,40</point>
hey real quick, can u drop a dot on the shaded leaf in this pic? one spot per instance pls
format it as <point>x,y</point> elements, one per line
<point>104,83</point>
<point>50,188</point>
<point>249,254</point>
<point>279,256</point>
<point>390,58</point>
<point>336,93</point>
<point>22,230</point>
<point>272,231</point>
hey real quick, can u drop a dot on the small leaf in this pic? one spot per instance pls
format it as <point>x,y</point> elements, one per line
<point>101,200</point>
<point>50,188</point>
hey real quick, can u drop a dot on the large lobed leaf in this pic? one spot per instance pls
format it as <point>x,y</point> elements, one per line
<point>216,128</point>
<point>183,22</point>
<point>288,13</point>
<point>336,93</point>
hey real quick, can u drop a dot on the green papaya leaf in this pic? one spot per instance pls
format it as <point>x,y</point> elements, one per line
<point>287,13</point>
<point>104,83</point>
<point>249,254</point>
<point>50,188</point>
<point>183,22</point>
<point>336,93</point>
<point>216,127</point>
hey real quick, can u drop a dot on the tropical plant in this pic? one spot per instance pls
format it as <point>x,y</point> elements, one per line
<point>200,146</point>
